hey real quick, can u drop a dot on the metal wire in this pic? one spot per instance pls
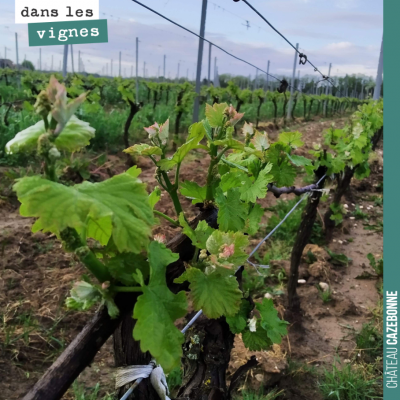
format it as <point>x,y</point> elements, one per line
<point>280,223</point>
<point>284,38</point>
<point>206,40</point>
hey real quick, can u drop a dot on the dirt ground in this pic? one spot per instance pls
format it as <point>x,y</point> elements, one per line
<point>36,276</point>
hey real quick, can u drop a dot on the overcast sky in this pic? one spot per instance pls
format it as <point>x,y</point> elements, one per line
<point>347,33</point>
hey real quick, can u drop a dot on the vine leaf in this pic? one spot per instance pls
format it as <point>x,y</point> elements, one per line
<point>257,190</point>
<point>292,139</point>
<point>199,235</point>
<point>74,136</point>
<point>84,295</point>
<point>120,202</point>
<point>219,241</point>
<point>238,322</point>
<point>154,197</point>
<point>144,150</point>
<point>260,141</point>
<point>215,114</point>
<point>234,179</point>
<point>299,161</point>
<point>284,174</point>
<point>216,294</point>
<point>125,266</point>
<point>157,309</point>
<point>275,327</point>
<point>134,171</point>
<point>232,212</point>
<point>230,143</point>
<point>254,220</point>
<point>196,134</point>
<point>193,191</point>
<point>258,340</point>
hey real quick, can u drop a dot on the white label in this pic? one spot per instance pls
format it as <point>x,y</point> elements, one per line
<point>31,11</point>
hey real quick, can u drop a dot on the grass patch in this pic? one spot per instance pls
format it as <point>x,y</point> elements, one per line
<point>377,227</point>
<point>376,264</point>
<point>348,382</point>
<point>369,342</point>
<point>295,368</point>
<point>325,295</point>
<point>252,395</point>
<point>174,379</point>
<point>80,392</point>
<point>359,214</point>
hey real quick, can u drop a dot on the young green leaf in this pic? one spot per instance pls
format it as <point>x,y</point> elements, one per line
<point>238,322</point>
<point>230,143</point>
<point>124,266</point>
<point>299,161</point>
<point>143,150</point>
<point>257,190</point>
<point>208,129</point>
<point>193,191</point>
<point>120,201</point>
<point>134,171</point>
<point>215,294</point>
<point>292,139</point>
<point>196,134</point>
<point>284,174</point>
<point>260,141</point>
<point>75,135</point>
<point>275,327</point>
<point>199,235</point>
<point>234,179</point>
<point>258,340</point>
<point>254,220</point>
<point>215,114</point>
<point>232,212</point>
<point>83,296</point>
<point>154,197</point>
<point>203,231</point>
<point>236,242</point>
<point>156,311</point>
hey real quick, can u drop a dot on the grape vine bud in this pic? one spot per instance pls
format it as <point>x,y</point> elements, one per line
<point>44,145</point>
<point>160,238</point>
<point>203,254</point>
<point>54,154</point>
<point>82,252</point>
<point>105,285</point>
<point>42,105</point>
<point>227,250</point>
<point>232,115</point>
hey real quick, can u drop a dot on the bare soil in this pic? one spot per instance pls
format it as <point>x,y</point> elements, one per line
<point>36,276</point>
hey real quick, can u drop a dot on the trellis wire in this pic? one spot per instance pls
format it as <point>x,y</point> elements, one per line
<point>283,37</point>
<point>280,223</point>
<point>206,40</point>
